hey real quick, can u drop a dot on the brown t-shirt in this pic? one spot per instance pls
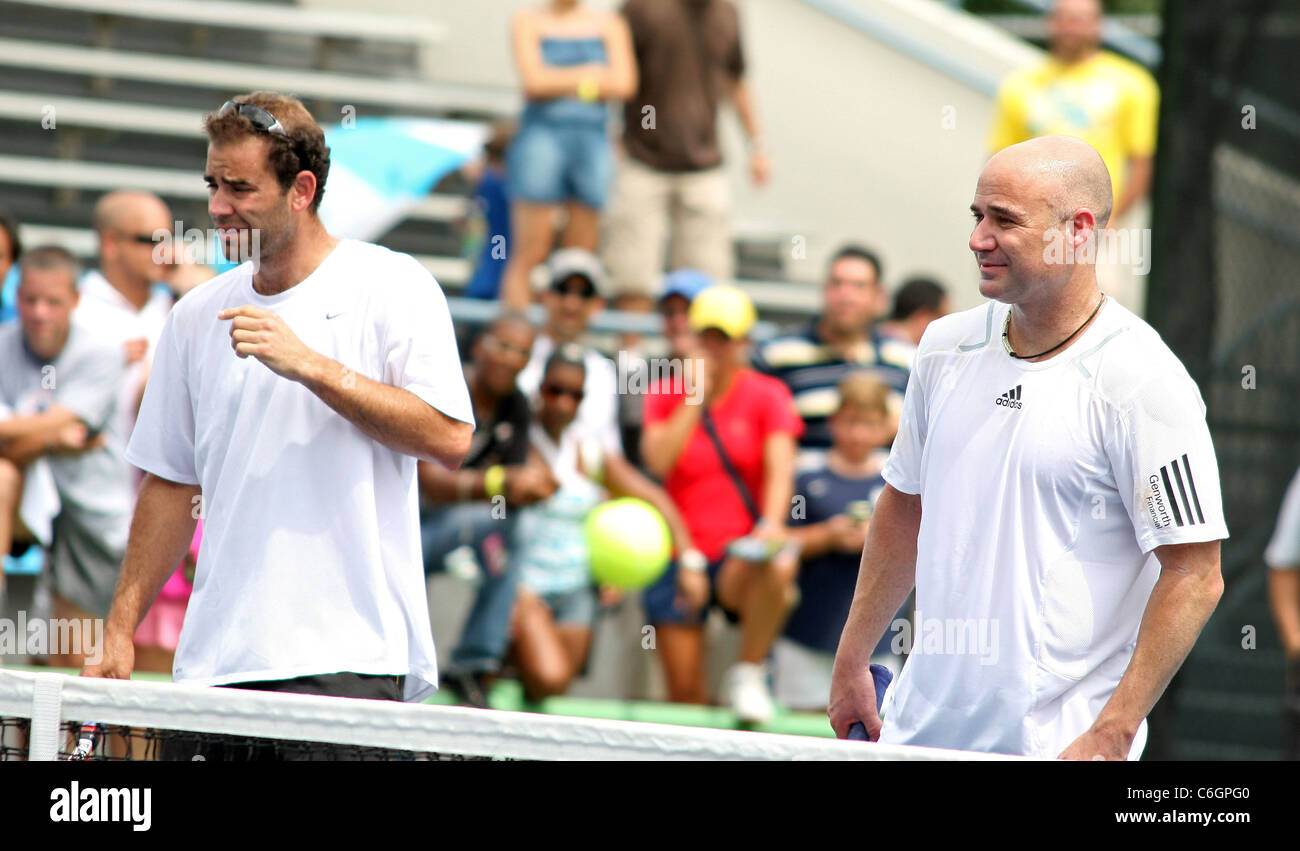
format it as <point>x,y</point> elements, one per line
<point>688,57</point>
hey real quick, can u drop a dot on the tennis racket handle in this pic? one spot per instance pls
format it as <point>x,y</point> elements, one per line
<point>882,677</point>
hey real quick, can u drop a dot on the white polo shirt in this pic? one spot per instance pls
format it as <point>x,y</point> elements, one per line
<point>311,561</point>
<point>1283,551</point>
<point>103,309</point>
<point>1044,489</point>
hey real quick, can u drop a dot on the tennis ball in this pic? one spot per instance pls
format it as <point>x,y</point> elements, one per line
<point>628,543</point>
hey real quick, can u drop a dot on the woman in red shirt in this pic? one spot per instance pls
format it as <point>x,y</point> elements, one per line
<point>753,418</point>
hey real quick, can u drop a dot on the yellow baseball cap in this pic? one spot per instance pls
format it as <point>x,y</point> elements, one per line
<point>724,307</point>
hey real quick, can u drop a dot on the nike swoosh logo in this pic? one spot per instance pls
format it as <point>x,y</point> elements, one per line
<point>333,315</point>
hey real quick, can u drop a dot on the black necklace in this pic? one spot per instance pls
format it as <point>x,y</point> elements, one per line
<point>1006,344</point>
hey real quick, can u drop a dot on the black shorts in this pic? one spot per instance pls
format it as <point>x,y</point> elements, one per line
<point>209,747</point>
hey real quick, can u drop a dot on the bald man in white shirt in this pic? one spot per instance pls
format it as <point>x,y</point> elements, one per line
<point>1052,495</point>
<point>124,299</point>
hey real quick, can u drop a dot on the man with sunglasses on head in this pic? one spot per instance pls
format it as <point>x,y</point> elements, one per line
<point>469,524</point>
<point>125,297</point>
<point>289,402</point>
<point>573,296</point>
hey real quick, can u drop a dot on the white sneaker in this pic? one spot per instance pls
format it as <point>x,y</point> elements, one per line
<point>748,694</point>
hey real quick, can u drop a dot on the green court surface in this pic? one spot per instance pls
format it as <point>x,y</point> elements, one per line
<point>509,695</point>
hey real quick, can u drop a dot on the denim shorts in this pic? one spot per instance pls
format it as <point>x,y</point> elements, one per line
<point>553,163</point>
<point>659,599</point>
<point>573,608</point>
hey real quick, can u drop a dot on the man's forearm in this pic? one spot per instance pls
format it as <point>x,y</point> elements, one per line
<point>885,577</point>
<point>439,484</point>
<point>815,539</point>
<point>1138,185</point>
<point>161,531</point>
<point>1284,597</point>
<point>23,450</point>
<point>41,426</point>
<point>746,112</point>
<point>1182,601</point>
<point>390,415</point>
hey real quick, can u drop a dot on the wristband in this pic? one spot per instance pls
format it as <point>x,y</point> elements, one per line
<point>693,560</point>
<point>588,89</point>
<point>494,481</point>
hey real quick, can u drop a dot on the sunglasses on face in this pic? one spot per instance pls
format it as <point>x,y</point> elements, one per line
<point>146,239</point>
<point>556,390</point>
<point>582,291</point>
<point>500,347</point>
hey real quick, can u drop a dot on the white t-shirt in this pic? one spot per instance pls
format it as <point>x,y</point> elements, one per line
<point>103,309</point>
<point>1044,489</point>
<point>1283,552</point>
<point>553,555</point>
<point>310,561</point>
<point>598,411</point>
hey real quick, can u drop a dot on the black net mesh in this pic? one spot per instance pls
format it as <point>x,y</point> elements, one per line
<point>117,743</point>
<point>1224,295</point>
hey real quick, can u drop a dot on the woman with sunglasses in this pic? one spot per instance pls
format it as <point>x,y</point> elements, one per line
<point>556,606</point>
<point>571,60</point>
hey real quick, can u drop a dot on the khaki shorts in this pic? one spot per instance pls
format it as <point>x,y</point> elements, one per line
<point>648,208</point>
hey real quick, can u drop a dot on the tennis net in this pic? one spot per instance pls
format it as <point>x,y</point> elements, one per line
<point>49,716</point>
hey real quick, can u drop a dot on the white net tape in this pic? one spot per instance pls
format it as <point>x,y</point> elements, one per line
<point>412,727</point>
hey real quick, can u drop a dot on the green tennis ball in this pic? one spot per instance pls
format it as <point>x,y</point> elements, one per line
<point>628,543</point>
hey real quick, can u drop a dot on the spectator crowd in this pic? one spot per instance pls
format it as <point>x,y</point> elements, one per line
<point>762,455</point>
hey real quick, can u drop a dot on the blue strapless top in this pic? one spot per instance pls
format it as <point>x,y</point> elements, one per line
<point>566,53</point>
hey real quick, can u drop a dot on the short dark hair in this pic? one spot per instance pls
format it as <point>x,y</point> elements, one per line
<point>51,257</point>
<point>10,227</point>
<point>567,354</point>
<point>917,294</point>
<point>509,317</point>
<point>498,141</point>
<point>303,149</point>
<point>857,252</point>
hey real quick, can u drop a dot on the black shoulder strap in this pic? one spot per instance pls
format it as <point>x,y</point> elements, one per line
<point>712,432</point>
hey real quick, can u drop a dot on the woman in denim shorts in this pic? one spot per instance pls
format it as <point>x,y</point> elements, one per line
<point>571,60</point>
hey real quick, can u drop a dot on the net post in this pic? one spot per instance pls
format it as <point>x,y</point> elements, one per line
<point>47,708</point>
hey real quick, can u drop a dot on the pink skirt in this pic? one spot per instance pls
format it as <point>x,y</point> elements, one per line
<point>161,627</point>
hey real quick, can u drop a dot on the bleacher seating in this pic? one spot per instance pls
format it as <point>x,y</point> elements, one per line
<point>107,94</point>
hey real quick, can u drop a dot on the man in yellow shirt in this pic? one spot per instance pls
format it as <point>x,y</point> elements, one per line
<point>1085,92</point>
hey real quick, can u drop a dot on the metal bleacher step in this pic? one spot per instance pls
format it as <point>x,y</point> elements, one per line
<point>169,183</point>
<point>423,97</point>
<point>260,17</point>
<point>101,113</point>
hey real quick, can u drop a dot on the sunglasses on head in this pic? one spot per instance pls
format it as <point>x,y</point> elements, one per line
<point>556,390</point>
<point>258,117</point>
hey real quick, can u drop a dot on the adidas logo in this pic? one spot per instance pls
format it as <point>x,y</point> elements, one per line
<point>1009,399</point>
